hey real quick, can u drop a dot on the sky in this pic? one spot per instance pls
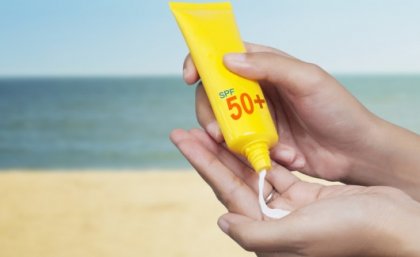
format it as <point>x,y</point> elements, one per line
<point>125,37</point>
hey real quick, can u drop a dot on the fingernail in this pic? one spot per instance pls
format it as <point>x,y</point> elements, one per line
<point>223,225</point>
<point>286,155</point>
<point>299,163</point>
<point>235,58</point>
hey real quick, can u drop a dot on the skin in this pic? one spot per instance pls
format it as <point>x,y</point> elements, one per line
<point>340,220</point>
<point>324,131</point>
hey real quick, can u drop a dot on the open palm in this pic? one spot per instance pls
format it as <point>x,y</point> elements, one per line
<point>321,216</point>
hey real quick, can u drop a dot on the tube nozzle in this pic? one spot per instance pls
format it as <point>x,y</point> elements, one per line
<point>259,156</point>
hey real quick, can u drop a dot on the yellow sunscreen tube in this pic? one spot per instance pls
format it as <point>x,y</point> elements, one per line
<point>238,104</point>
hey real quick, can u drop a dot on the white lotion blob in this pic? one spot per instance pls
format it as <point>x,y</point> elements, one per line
<point>267,211</point>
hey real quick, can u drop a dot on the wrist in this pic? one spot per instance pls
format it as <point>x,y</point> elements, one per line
<point>366,163</point>
<point>389,156</point>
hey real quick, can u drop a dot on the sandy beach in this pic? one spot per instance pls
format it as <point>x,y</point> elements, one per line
<point>99,213</point>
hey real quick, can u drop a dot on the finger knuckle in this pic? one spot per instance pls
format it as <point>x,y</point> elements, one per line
<point>313,75</point>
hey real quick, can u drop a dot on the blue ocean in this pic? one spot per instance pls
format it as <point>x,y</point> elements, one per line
<point>124,123</point>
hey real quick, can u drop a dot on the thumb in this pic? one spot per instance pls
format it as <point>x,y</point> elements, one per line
<point>290,75</point>
<point>262,236</point>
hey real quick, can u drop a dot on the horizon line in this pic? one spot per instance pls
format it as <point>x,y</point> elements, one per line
<point>87,76</point>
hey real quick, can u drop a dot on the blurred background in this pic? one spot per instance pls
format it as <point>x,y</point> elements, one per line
<point>89,91</point>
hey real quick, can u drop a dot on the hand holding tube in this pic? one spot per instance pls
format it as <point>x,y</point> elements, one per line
<point>325,132</point>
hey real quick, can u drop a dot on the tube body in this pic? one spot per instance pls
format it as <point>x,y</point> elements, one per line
<point>238,104</point>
